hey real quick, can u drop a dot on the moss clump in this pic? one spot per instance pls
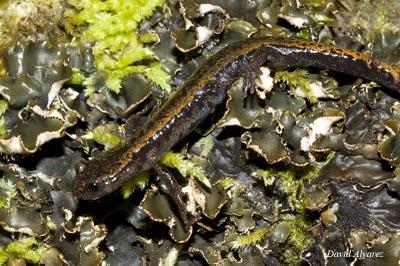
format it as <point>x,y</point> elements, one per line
<point>185,167</point>
<point>8,192</point>
<point>139,181</point>
<point>297,79</point>
<point>299,238</point>
<point>251,239</point>
<point>106,139</point>
<point>3,108</point>
<point>77,77</point>
<point>3,70</point>
<point>28,249</point>
<point>112,25</point>
<point>291,181</point>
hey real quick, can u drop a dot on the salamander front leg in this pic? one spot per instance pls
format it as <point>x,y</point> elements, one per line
<point>168,185</point>
<point>249,82</point>
<point>252,71</point>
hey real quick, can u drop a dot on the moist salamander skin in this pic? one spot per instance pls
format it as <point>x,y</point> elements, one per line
<point>187,107</point>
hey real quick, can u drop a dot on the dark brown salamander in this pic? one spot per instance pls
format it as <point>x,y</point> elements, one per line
<point>207,88</point>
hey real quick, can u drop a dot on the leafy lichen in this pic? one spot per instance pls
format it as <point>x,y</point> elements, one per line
<point>118,51</point>
<point>30,20</point>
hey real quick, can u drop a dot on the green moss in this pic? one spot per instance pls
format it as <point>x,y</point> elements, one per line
<point>118,52</point>
<point>291,180</point>
<point>206,145</point>
<point>381,21</point>
<point>3,107</point>
<point>77,78</point>
<point>8,192</point>
<point>3,203</point>
<point>299,238</point>
<point>251,239</point>
<point>227,182</point>
<point>3,129</point>
<point>318,17</point>
<point>3,70</point>
<point>51,224</point>
<point>185,167</point>
<point>315,3</point>
<point>139,181</point>
<point>297,79</point>
<point>304,33</point>
<point>28,249</point>
<point>106,139</point>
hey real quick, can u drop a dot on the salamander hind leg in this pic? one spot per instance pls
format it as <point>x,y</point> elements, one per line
<point>168,185</point>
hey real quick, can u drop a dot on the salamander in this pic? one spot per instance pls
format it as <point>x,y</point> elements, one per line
<point>206,88</point>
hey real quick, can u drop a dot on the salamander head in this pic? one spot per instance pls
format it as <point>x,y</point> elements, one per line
<point>91,180</point>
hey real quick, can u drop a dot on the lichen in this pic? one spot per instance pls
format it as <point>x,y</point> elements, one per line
<point>30,20</point>
<point>113,26</point>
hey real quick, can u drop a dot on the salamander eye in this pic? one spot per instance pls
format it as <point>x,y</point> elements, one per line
<point>95,186</point>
